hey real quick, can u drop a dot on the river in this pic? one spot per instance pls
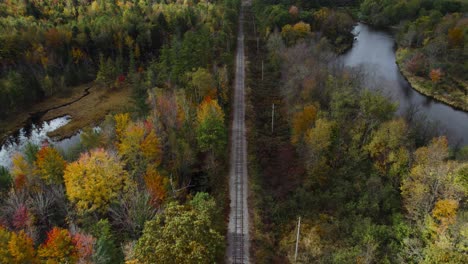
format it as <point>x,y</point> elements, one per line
<point>374,51</point>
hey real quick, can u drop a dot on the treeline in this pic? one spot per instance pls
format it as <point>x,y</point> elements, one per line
<point>384,13</point>
<point>370,186</point>
<point>298,18</point>
<point>146,186</point>
<point>47,47</point>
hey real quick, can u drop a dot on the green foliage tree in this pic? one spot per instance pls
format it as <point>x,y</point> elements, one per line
<point>183,234</point>
<point>106,250</point>
<point>211,131</point>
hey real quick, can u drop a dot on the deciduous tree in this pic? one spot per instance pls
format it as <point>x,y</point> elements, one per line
<point>59,247</point>
<point>211,131</point>
<point>183,234</point>
<point>95,180</point>
<point>50,165</point>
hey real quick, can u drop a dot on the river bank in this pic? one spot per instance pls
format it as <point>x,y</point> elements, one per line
<point>86,105</point>
<point>454,98</point>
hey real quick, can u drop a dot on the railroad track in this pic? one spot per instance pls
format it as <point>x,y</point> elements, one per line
<point>238,229</point>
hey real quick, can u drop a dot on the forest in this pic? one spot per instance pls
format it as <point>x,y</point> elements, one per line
<point>371,184</point>
<point>148,183</point>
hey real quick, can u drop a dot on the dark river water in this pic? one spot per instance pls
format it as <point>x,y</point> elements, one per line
<point>374,51</point>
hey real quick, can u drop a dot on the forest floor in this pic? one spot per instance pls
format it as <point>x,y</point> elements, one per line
<point>86,105</point>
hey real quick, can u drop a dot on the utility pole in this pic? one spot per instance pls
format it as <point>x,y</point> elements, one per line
<point>262,70</point>
<point>272,117</point>
<point>258,44</point>
<point>297,238</point>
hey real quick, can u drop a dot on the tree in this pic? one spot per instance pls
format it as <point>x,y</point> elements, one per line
<point>85,247</point>
<point>156,185</point>
<point>302,121</point>
<point>106,250</point>
<point>202,84</point>
<point>139,147</point>
<point>5,255</point>
<point>182,234</point>
<point>50,165</point>
<point>435,75</point>
<point>388,148</point>
<point>95,180</point>
<point>317,143</point>
<point>211,132</point>
<point>431,178</point>
<point>59,247</point>
<point>131,213</point>
<point>21,248</point>
<point>455,37</point>
<point>292,34</point>
<point>5,179</point>
<point>445,211</point>
<point>121,123</point>
<point>151,147</point>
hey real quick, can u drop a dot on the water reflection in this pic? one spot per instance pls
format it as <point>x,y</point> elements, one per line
<point>36,134</point>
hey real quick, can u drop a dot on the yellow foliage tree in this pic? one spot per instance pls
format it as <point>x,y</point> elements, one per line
<point>50,165</point>
<point>301,29</point>
<point>121,123</point>
<point>5,256</point>
<point>387,148</point>
<point>151,148</point>
<point>95,180</point>
<point>302,121</point>
<point>139,145</point>
<point>445,211</point>
<point>317,140</point>
<point>20,166</point>
<point>21,248</point>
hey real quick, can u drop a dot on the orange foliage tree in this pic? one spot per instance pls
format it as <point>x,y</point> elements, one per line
<point>59,247</point>
<point>156,185</point>
<point>435,75</point>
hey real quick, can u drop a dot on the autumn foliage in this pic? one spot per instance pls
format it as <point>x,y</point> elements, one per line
<point>302,121</point>
<point>95,180</point>
<point>50,165</point>
<point>156,185</point>
<point>435,75</point>
<point>21,248</point>
<point>59,247</point>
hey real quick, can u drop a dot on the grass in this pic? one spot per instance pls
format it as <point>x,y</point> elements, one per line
<point>88,110</point>
<point>452,92</point>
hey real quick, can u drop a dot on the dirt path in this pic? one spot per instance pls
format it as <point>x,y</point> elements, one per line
<point>238,229</point>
